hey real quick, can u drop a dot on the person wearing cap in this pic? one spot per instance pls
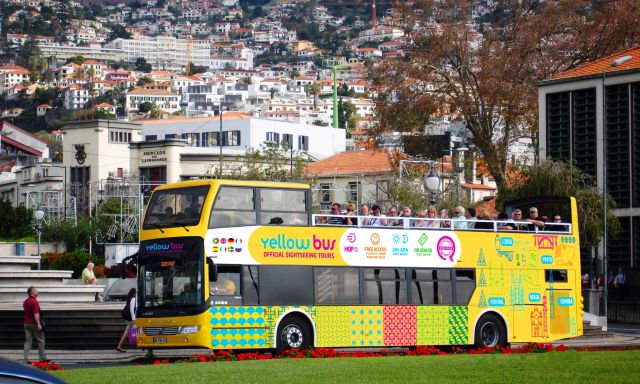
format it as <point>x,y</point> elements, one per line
<point>534,220</point>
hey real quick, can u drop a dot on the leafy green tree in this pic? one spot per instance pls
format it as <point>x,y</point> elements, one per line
<point>29,121</point>
<point>28,54</point>
<point>142,65</point>
<point>118,31</point>
<point>144,80</point>
<point>272,162</point>
<point>346,110</point>
<point>147,107</point>
<point>74,237</point>
<point>551,178</point>
<point>16,223</point>
<point>193,69</point>
<point>76,60</point>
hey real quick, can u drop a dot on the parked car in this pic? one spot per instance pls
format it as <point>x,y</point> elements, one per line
<point>14,372</point>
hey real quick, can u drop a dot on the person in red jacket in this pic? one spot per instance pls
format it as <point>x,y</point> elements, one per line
<point>33,324</point>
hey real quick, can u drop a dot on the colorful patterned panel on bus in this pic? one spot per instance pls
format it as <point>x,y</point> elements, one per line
<point>433,325</point>
<point>235,327</point>
<point>338,327</point>
<point>238,317</point>
<point>458,324</point>
<point>400,325</point>
<point>372,327</point>
<point>238,327</point>
<point>239,338</point>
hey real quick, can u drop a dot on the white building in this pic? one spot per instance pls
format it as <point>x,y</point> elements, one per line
<point>165,100</point>
<point>241,133</point>
<point>97,149</point>
<point>163,49</point>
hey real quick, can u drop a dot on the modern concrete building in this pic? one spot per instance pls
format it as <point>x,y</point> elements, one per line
<point>590,117</point>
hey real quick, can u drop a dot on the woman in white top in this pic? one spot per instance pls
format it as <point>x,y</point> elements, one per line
<point>432,221</point>
<point>129,314</point>
<point>421,222</point>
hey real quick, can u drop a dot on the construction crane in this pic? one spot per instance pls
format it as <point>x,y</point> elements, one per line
<point>358,4</point>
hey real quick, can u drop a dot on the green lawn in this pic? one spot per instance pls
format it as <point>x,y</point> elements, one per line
<point>538,368</point>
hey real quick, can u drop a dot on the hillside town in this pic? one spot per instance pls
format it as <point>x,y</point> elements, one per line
<point>194,80</point>
<point>100,99</point>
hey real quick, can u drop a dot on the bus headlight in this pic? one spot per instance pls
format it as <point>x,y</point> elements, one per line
<point>188,329</point>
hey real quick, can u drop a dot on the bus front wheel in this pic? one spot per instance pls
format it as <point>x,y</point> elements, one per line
<point>490,332</point>
<point>293,332</point>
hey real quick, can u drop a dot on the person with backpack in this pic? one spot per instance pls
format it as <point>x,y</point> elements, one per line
<point>128,314</point>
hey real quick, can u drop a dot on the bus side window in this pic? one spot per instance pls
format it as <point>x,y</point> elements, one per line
<point>250,291</point>
<point>465,285</point>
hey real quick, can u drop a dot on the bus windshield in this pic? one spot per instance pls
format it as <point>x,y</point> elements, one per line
<point>175,207</point>
<point>171,273</point>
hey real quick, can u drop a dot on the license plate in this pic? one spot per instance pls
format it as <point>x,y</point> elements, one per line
<point>159,340</point>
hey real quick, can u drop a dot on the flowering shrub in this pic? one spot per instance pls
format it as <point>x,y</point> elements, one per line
<point>47,365</point>
<point>327,353</point>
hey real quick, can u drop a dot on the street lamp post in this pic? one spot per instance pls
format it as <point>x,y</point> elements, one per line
<point>432,181</point>
<point>615,63</point>
<point>38,214</point>
<point>220,139</point>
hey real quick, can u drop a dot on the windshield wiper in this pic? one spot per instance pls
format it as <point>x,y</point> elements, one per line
<point>157,226</point>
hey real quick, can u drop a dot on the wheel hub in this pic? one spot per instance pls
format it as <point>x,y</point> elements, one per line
<point>293,336</point>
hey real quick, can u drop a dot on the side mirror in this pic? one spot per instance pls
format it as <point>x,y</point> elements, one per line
<point>213,270</point>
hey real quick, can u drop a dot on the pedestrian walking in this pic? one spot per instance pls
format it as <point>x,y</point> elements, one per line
<point>33,324</point>
<point>129,315</point>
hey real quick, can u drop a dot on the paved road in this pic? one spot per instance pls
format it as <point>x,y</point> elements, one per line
<point>626,335</point>
<point>624,328</point>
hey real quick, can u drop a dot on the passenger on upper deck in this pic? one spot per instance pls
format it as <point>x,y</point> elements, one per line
<point>336,209</point>
<point>516,221</point>
<point>406,214</point>
<point>421,222</point>
<point>432,219</point>
<point>534,220</point>
<point>481,223</point>
<point>351,211</point>
<point>505,223</point>
<point>459,221</point>
<point>364,212</point>
<point>377,218</point>
<point>444,214</point>
<point>555,226</point>
<point>393,220</point>
<point>470,215</point>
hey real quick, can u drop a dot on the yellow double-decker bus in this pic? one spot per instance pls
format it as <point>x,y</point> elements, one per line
<point>229,264</point>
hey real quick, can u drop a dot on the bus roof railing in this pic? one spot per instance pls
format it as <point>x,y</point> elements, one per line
<point>454,224</point>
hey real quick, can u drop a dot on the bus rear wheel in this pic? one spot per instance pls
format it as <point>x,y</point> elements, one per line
<point>293,332</point>
<point>490,332</point>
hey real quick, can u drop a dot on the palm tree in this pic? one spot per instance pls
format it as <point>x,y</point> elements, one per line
<point>273,92</point>
<point>313,89</point>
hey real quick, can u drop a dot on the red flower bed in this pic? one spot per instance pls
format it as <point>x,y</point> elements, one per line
<point>47,365</point>
<point>327,353</point>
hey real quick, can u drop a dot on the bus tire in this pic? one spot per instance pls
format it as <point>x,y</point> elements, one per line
<point>490,332</point>
<point>293,333</point>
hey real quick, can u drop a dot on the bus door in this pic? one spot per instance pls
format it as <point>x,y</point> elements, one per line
<point>561,303</point>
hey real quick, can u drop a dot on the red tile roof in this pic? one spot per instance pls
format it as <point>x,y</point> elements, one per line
<point>353,163</point>
<point>597,67</point>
